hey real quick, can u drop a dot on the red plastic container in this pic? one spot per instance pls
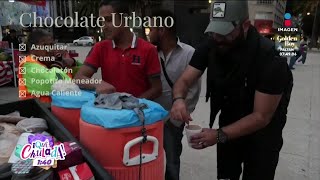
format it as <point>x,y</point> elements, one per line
<point>118,150</point>
<point>69,118</point>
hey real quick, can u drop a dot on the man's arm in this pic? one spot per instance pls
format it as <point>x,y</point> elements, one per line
<point>193,72</point>
<point>195,69</point>
<point>194,91</point>
<point>85,72</point>
<point>91,65</point>
<point>264,107</point>
<point>185,81</point>
<point>273,81</point>
<point>156,88</point>
<point>179,108</point>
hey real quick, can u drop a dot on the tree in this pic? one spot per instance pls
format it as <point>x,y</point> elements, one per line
<point>312,7</point>
<point>86,8</point>
<point>307,22</point>
<point>316,24</point>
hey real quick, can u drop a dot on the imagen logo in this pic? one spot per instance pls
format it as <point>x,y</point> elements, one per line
<point>42,151</point>
<point>287,40</point>
<point>287,24</point>
<point>287,20</point>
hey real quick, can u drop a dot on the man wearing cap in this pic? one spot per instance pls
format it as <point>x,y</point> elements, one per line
<point>249,84</point>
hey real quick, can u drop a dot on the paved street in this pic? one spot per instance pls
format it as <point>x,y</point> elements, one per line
<point>300,156</point>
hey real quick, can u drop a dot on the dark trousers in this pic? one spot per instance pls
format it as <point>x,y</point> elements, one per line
<point>258,153</point>
<point>173,148</point>
<point>304,57</point>
<point>293,60</point>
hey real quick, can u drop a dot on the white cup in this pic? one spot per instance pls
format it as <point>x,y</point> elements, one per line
<point>192,130</point>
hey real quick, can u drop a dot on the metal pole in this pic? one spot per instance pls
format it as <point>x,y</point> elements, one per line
<point>315,27</point>
<point>14,67</point>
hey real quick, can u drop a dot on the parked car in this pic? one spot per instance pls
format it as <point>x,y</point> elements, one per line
<point>85,40</point>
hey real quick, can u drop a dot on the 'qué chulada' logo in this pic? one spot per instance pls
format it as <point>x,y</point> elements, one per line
<point>42,150</point>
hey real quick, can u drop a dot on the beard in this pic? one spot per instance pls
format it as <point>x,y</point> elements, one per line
<point>226,47</point>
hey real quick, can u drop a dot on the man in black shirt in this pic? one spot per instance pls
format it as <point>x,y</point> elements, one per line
<point>12,38</point>
<point>249,83</point>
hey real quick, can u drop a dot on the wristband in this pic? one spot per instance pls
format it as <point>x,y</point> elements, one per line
<point>177,98</point>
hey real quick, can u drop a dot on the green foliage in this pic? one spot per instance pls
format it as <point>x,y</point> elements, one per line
<point>86,8</point>
<point>305,6</point>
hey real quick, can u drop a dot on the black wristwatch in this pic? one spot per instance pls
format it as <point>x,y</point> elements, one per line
<point>222,136</point>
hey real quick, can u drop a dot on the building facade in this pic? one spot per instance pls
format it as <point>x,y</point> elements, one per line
<point>65,8</point>
<point>192,18</point>
<point>267,15</point>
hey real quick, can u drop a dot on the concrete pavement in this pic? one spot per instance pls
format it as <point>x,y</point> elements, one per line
<point>300,155</point>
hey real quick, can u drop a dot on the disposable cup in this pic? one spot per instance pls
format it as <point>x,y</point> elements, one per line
<point>192,130</point>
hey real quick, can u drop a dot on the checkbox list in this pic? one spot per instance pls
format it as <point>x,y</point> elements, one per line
<point>22,70</point>
<point>22,82</point>
<point>22,59</point>
<point>22,94</point>
<point>22,47</point>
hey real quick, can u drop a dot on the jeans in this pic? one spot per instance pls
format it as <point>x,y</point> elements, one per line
<point>304,57</point>
<point>173,147</point>
<point>293,60</point>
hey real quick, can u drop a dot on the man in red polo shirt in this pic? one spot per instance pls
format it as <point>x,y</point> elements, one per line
<point>128,63</point>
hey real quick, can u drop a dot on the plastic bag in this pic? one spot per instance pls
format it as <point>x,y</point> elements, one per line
<point>8,139</point>
<point>33,125</point>
<point>9,128</point>
<point>63,85</point>
<point>22,140</point>
<point>13,117</point>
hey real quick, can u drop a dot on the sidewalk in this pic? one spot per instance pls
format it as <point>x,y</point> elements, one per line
<point>300,155</point>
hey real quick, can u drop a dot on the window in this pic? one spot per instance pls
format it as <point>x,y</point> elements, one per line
<point>264,15</point>
<point>62,8</point>
<point>265,1</point>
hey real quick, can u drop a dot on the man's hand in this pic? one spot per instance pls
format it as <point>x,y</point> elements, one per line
<point>68,62</point>
<point>208,137</point>
<point>179,111</point>
<point>64,57</point>
<point>105,88</point>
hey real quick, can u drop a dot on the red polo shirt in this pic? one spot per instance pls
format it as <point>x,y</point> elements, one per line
<point>127,70</point>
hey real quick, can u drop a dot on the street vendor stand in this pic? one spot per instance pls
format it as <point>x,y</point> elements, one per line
<point>32,107</point>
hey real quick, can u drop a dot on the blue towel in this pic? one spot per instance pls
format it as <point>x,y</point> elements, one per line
<point>72,102</point>
<point>123,118</point>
